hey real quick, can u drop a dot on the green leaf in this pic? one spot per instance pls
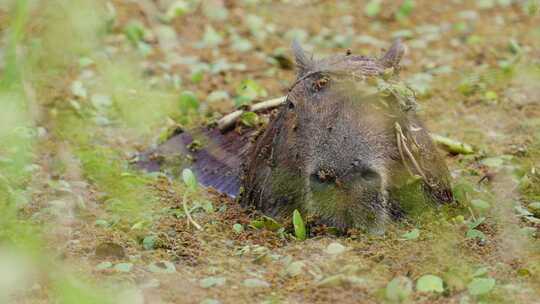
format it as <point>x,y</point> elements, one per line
<point>123,267</point>
<point>451,145</point>
<point>240,44</point>
<point>405,9</point>
<point>149,242</point>
<point>78,89</point>
<point>249,119</point>
<point>476,223</point>
<point>85,62</point>
<point>212,281</point>
<point>335,248</point>
<point>247,91</point>
<point>491,96</point>
<point>178,9</point>
<point>256,283</point>
<point>461,191</point>
<point>134,32</point>
<point>299,227</point>
<point>296,268</point>
<point>197,76</point>
<point>420,83</point>
<point>493,162</point>
<point>270,223</point>
<point>207,206</point>
<point>480,205</point>
<point>102,223</point>
<point>104,265</point>
<point>188,101</point>
<point>480,286</point>
<point>399,289</point>
<point>411,235</point>
<point>211,38</point>
<point>480,272</point>
<point>372,8</point>
<point>534,208</point>
<point>473,233</point>
<point>217,96</point>
<point>429,283</point>
<point>238,228</point>
<point>257,224</point>
<point>189,179</point>
<point>215,10</point>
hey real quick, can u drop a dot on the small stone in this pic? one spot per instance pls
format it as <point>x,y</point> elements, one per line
<point>256,283</point>
<point>335,248</point>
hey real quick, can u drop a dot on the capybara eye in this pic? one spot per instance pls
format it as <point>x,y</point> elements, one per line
<point>290,104</point>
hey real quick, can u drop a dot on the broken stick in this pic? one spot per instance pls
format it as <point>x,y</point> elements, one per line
<point>229,119</point>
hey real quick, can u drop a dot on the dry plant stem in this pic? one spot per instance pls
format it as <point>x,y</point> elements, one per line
<point>268,104</point>
<point>400,149</point>
<point>188,215</point>
<point>402,143</point>
<point>229,119</point>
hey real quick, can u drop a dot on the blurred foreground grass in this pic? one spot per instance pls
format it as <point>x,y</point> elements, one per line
<point>45,40</point>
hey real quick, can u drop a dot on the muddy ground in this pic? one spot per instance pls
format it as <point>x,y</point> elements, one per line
<point>101,81</point>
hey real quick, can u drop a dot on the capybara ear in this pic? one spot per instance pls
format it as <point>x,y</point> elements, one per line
<point>393,56</point>
<point>303,62</point>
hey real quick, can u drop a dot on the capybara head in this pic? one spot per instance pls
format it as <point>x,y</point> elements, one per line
<point>344,141</point>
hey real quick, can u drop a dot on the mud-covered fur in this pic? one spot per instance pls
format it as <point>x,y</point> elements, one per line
<point>332,151</point>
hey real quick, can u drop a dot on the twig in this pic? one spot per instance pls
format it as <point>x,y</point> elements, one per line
<point>188,215</point>
<point>229,119</point>
<point>268,104</point>
<point>400,149</point>
<point>409,153</point>
<point>226,121</point>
